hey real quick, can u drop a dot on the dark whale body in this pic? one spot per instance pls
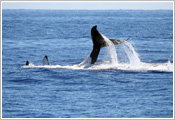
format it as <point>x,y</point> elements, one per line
<point>99,42</point>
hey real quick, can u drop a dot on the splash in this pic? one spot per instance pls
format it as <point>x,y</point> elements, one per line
<point>85,62</point>
<point>132,55</point>
<point>134,64</point>
<point>111,51</point>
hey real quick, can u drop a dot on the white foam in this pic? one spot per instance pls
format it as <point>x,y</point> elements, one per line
<point>143,67</point>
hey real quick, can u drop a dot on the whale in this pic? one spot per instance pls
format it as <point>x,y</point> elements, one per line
<point>99,42</point>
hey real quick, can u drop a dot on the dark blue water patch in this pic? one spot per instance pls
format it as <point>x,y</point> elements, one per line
<point>26,81</point>
<point>153,51</point>
<point>155,71</point>
<point>157,90</point>
<point>163,60</point>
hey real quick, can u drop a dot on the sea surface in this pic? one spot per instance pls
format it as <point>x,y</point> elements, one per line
<point>139,84</point>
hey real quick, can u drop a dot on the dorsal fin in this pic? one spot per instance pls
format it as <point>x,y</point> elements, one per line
<point>45,61</point>
<point>27,62</point>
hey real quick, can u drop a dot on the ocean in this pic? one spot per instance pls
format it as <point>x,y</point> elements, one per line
<point>130,80</point>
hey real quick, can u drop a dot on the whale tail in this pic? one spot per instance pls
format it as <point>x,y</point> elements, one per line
<point>99,42</point>
<point>94,54</point>
<point>45,60</point>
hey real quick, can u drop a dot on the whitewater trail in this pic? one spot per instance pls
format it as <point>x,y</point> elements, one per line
<point>134,63</point>
<point>143,67</point>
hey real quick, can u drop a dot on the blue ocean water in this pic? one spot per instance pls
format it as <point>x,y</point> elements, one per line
<point>64,36</point>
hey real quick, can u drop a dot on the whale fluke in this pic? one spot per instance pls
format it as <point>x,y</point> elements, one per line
<point>45,61</point>
<point>117,42</point>
<point>99,42</point>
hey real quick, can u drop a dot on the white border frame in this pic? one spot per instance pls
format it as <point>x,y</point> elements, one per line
<point>86,118</point>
